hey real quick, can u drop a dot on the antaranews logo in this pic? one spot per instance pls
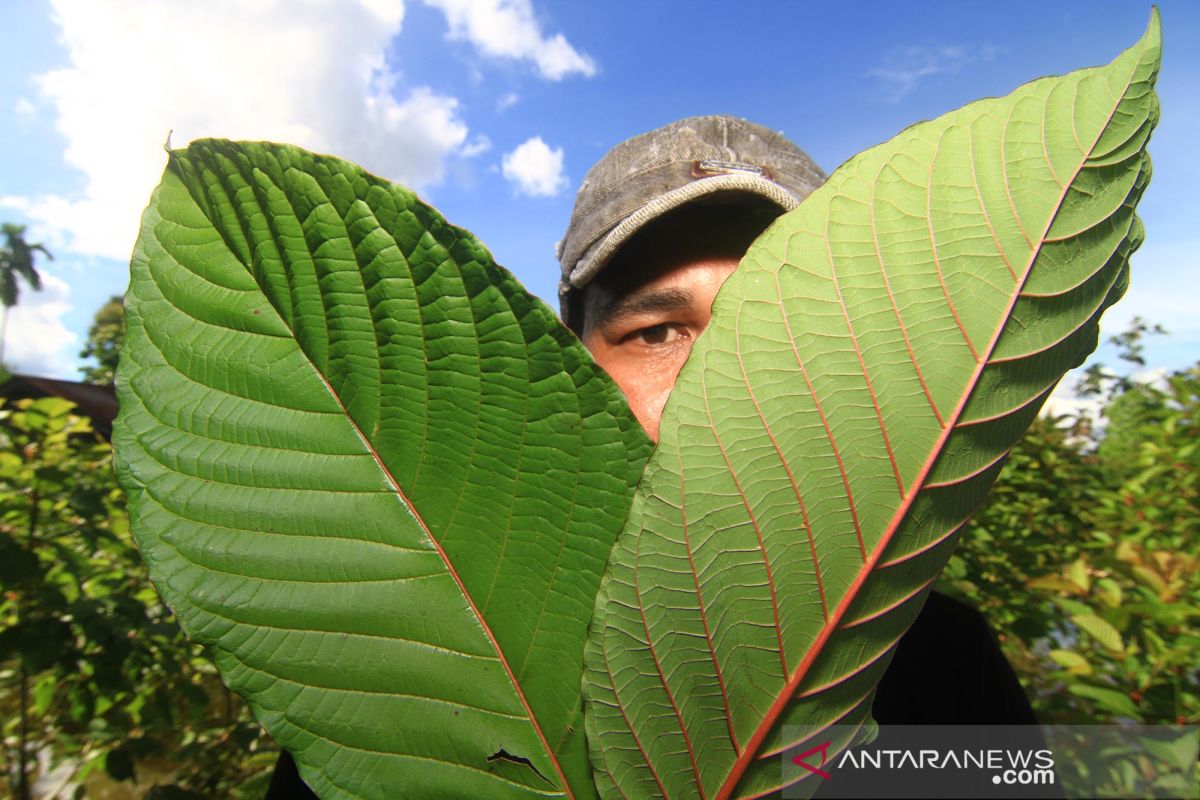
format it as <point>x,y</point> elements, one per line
<point>1020,767</point>
<point>1004,762</point>
<point>923,761</point>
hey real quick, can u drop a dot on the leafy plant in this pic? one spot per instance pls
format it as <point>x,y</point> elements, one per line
<point>380,481</point>
<point>95,676</point>
<point>1087,555</point>
<point>105,336</point>
<point>1102,609</point>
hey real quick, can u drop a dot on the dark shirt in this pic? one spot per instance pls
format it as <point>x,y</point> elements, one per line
<point>948,670</point>
<point>286,783</point>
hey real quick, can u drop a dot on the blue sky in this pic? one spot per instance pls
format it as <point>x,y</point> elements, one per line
<point>495,109</point>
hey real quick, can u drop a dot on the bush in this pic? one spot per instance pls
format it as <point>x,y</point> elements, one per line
<point>1087,559</point>
<point>97,682</point>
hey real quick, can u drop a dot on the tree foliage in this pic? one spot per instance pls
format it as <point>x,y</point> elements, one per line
<point>104,342</point>
<point>17,258</point>
<point>97,682</point>
<point>1087,556</point>
<point>17,261</point>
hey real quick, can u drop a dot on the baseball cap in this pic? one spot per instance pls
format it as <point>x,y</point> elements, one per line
<point>691,160</point>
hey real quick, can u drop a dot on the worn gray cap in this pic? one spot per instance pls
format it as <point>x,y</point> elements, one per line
<point>643,178</point>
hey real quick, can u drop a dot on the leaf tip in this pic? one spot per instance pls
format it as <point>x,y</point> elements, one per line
<point>1151,41</point>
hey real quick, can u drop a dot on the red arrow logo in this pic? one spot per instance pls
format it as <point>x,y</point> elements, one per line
<point>823,749</point>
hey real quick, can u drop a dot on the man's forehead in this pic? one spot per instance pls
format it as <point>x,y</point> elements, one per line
<point>610,308</point>
<point>695,233</point>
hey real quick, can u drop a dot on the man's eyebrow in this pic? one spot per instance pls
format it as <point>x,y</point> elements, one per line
<point>647,302</point>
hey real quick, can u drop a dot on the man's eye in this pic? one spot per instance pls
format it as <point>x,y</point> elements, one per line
<point>664,333</point>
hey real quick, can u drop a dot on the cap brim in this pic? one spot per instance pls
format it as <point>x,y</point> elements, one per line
<point>592,262</point>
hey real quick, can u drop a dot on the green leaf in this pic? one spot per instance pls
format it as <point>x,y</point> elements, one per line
<point>1070,606</point>
<point>1150,578</point>
<point>1110,592</point>
<point>867,368</point>
<point>1108,699</point>
<point>1072,661</point>
<point>1053,583</point>
<point>1077,572</point>
<point>43,693</point>
<point>1101,630</point>
<point>370,472</point>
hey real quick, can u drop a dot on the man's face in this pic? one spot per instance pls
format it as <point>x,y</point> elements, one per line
<point>640,326</point>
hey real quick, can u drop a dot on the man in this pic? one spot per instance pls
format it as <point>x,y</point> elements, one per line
<point>659,223</point>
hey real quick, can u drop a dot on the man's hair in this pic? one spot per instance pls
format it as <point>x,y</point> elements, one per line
<point>724,226</point>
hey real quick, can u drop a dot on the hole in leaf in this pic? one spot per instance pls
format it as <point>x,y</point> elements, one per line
<point>503,755</point>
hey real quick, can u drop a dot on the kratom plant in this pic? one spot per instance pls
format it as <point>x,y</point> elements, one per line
<point>381,482</point>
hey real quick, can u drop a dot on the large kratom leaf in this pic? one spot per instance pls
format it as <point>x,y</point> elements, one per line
<point>868,366</point>
<point>371,473</point>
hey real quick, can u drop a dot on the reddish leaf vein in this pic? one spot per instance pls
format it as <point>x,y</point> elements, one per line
<point>812,544</point>
<point>812,392</point>
<point>937,261</point>
<point>887,440</point>
<point>887,284</point>
<point>687,544</point>
<point>637,590</point>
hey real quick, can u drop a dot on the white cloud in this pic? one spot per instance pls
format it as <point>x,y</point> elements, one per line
<point>309,72</point>
<point>906,67</point>
<point>37,342</point>
<point>24,108</point>
<point>507,101</point>
<point>479,144</point>
<point>304,71</point>
<point>534,169</point>
<point>407,141</point>
<point>508,29</point>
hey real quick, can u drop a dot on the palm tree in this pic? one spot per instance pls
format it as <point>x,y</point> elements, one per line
<point>16,258</point>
